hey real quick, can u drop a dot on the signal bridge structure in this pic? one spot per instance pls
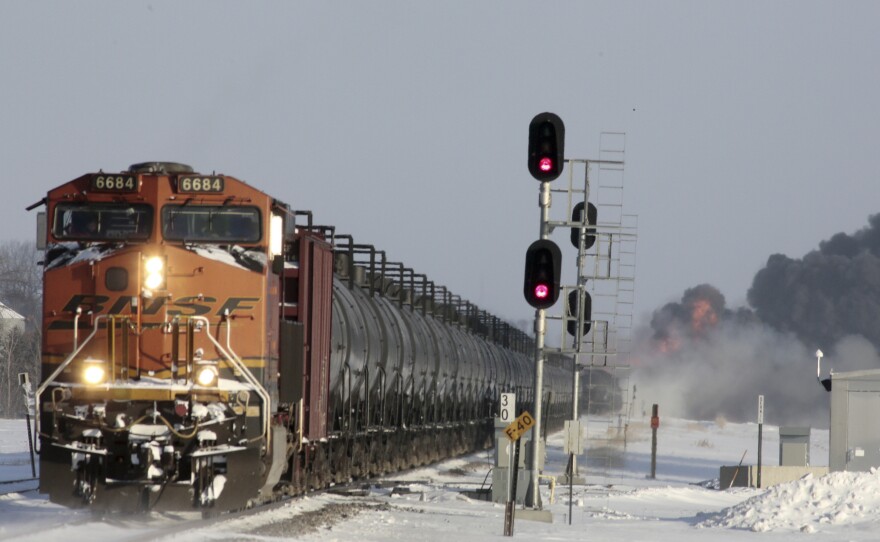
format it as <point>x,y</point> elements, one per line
<point>594,323</point>
<point>606,261</point>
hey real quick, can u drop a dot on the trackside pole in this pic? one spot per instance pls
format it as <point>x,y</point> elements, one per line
<point>570,485</point>
<point>760,434</point>
<point>655,424</point>
<point>25,381</point>
<point>534,495</point>
<point>523,423</point>
<point>511,501</point>
<point>574,410</point>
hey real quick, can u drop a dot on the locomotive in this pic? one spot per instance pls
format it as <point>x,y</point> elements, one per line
<point>206,346</point>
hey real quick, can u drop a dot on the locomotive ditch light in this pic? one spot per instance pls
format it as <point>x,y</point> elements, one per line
<point>94,372</point>
<point>207,374</point>
<point>154,276</point>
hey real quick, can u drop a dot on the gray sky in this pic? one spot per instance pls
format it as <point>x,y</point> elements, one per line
<point>752,127</point>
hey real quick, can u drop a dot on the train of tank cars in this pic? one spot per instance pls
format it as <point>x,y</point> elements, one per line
<point>205,346</point>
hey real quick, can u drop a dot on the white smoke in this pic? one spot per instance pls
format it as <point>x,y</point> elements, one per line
<point>722,373</point>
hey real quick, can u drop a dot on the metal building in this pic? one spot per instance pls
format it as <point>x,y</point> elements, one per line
<point>794,446</point>
<point>855,429</point>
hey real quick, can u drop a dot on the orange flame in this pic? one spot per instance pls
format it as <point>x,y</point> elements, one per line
<point>703,316</point>
<point>669,345</point>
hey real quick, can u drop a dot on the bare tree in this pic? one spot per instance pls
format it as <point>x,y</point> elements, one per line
<point>21,279</point>
<point>20,289</point>
<point>19,353</point>
<point>7,341</point>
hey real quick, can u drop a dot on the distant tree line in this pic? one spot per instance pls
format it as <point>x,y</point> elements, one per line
<point>21,291</point>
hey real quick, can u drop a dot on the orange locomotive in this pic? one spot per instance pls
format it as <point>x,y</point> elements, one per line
<point>203,350</point>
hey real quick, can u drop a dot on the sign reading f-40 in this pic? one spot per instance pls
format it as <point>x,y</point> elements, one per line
<point>519,426</point>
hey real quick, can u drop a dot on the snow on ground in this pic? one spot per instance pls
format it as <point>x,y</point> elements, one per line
<point>618,503</point>
<point>840,498</point>
<point>15,462</point>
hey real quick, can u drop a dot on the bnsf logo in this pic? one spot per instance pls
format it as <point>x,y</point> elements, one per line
<point>184,306</point>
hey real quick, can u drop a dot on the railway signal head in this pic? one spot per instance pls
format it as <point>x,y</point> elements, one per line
<point>546,146</point>
<point>577,216</point>
<point>587,312</point>
<point>543,265</point>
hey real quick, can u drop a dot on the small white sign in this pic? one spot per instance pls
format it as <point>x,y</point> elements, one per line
<point>574,437</point>
<point>760,409</point>
<point>507,410</point>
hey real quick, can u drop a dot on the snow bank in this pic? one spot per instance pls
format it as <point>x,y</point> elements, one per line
<point>806,504</point>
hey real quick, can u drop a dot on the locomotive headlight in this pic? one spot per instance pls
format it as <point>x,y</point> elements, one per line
<point>94,372</point>
<point>207,374</point>
<point>155,273</point>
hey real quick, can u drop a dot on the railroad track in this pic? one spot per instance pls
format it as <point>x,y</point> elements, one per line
<point>49,521</point>
<point>16,481</point>
<point>159,526</point>
<point>54,522</point>
<point>24,485</point>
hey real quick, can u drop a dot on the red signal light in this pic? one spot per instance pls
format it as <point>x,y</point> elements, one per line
<point>542,291</point>
<point>545,164</point>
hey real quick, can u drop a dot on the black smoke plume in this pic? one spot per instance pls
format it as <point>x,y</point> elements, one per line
<point>827,295</point>
<point>705,360</point>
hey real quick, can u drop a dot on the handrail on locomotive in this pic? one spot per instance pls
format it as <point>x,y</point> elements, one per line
<point>192,324</point>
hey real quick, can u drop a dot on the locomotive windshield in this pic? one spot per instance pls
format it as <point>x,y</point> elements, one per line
<point>102,222</point>
<point>211,224</point>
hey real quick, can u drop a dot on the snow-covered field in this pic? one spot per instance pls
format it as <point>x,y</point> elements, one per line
<point>618,503</point>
